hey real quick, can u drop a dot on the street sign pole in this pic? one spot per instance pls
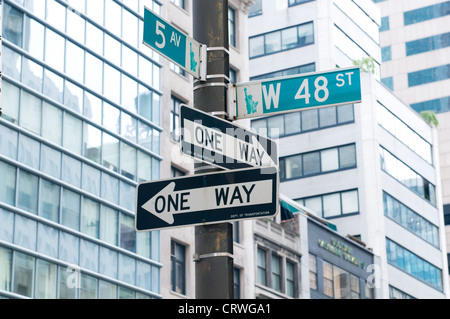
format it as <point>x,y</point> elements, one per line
<point>213,243</point>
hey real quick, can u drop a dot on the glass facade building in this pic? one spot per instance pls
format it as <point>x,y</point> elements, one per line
<point>80,128</point>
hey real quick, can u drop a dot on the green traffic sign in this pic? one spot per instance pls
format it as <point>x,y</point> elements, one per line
<point>173,44</point>
<point>293,93</point>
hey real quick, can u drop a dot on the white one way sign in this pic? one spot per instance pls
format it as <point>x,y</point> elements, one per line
<point>207,198</point>
<point>219,142</point>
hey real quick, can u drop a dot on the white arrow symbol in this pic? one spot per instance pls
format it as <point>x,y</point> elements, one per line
<point>169,202</point>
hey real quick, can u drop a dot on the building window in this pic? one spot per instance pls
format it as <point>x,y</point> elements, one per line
<point>178,270</point>
<point>175,119</point>
<point>281,40</point>
<point>304,121</point>
<point>328,285</point>
<point>318,162</point>
<point>386,54</point>
<point>179,3</point>
<point>405,175</point>
<point>296,2</point>
<point>175,172</point>
<point>261,267</point>
<point>436,105</point>
<point>384,24</point>
<point>404,133</point>
<point>276,275</point>
<point>310,67</point>
<point>395,293</point>
<point>388,82</point>
<point>237,283</point>
<point>290,278</point>
<point>232,26</point>
<point>334,204</point>
<point>312,272</point>
<point>410,220</point>
<point>255,9</point>
<point>435,42</point>
<point>439,73</point>
<point>414,265</point>
<point>426,13</point>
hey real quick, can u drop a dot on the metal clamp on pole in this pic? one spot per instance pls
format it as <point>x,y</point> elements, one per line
<point>198,257</point>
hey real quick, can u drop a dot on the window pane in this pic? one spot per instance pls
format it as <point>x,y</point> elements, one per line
<point>256,46</point>
<point>28,152</point>
<point>129,94</point>
<point>28,191</point>
<point>113,17</point>
<point>347,156</point>
<point>305,34</point>
<point>8,191</point>
<point>90,217</point>
<point>53,86</point>
<point>289,38</point>
<point>331,205</point>
<point>50,161</point>
<point>23,274</point>
<point>327,116</point>
<point>110,188</point>
<point>310,120</point>
<point>111,85</point>
<point>109,225</point>
<point>311,163</point>
<point>107,290</point>
<point>91,179</point>
<point>12,27</point>
<point>128,127</point>
<point>8,142</point>
<point>75,25</point>
<point>350,202</point>
<point>32,74</point>
<point>50,200</point>
<point>110,152</point>
<point>88,287</point>
<point>314,204</point>
<point>46,280</point>
<point>10,105</point>
<point>53,57</point>
<point>70,209</point>
<point>127,232</point>
<point>48,240</point>
<point>128,161</point>
<point>92,143</point>
<point>72,133</point>
<point>272,42</point>
<point>292,123</point>
<point>5,266</point>
<point>25,232</point>
<point>329,160</point>
<point>56,15</point>
<point>71,170</point>
<point>345,113</point>
<point>30,112</point>
<point>93,73</point>
<point>112,49</point>
<point>34,40</point>
<point>293,166</point>
<point>74,61</point>
<point>129,60</point>
<point>73,96</point>
<point>94,37</point>
<point>111,118</point>
<point>144,167</point>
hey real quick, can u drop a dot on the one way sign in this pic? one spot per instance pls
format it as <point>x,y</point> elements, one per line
<point>221,143</point>
<point>207,198</point>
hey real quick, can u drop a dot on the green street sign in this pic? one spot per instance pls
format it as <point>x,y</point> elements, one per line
<point>294,93</point>
<point>174,45</point>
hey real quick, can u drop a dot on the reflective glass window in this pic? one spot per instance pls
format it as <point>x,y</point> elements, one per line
<point>56,15</point>
<point>12,25</point>
<point>112,49</point>
<point>55,45</point>
<point>111,118</point>
<point>10,105</point>
<point>50,199</point>
<point>72,133</point>
<point>93,73</point>
<point>28,151</point>
<point>311,163</point>
<point>90,217</point>
<point>94,38</point>
<point>48,240</point>
<point>71,170</point>
<point>74,61</point>
<point>110,188</point>
<point>111,85</point>
<point>91,179</point>
<point>50,161</point>
<point>310,120</point>
<point>46,280</point>
<point>23,281</point>
<point>127,232</point>
<point>145,70</point>
<point>110,152</point>
<point>129,94</point>
<point>92,143</point>
<point>128,127</point>
<point>92,107</point>
<point>73,96</point>
<point>75,25</point>
<point>109,225</point>
<point>34,38</point>
<point>25,232</point>
<point>130,27</point>
<point>52,123</point>
<point>53,86</point>
<point>128,161</point>
<point>94,10</point>
<point>144,167</point>
<point>145,136</point>
<point>145,102</point>
<point>113,17</point>
<point>70,209</point>
<point>329,160</point>
<point>30,112</point>
<point>69,247</point>
<point>27,191</point>
<point>32,74</point>
<point>6,266</point>
<point>8,142</point>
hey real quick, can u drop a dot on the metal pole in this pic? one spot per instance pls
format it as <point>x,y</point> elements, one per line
<point>213,243</point>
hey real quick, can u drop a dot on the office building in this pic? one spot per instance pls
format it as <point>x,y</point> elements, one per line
<point>81,126</point>
<point>415,40</point>
<point>370,168</point>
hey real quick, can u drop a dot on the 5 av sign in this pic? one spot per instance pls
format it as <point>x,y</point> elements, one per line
<point>175,45</point>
